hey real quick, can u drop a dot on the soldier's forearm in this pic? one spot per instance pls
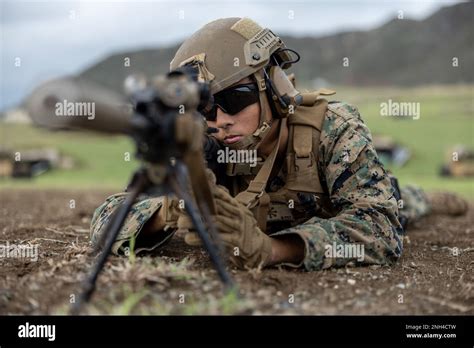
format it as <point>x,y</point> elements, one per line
<point>287,249</point>
<point>154,224</point>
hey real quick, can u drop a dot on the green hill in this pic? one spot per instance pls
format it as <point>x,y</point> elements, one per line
<point>402,52</point>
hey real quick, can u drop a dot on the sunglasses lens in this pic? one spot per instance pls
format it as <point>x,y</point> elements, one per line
<point>233,100</point>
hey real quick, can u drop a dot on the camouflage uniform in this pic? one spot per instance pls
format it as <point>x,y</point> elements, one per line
<point>364,207</point>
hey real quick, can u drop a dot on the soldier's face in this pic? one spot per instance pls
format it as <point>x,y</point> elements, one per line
<point>233,127</point>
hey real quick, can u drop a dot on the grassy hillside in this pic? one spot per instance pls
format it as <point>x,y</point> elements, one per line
<point>100,159</point>
<point>447,118</point>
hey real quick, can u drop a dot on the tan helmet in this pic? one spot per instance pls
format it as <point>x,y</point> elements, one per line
<point>228,50</point>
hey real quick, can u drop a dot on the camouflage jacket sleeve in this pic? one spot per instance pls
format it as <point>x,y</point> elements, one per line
<point>366,228</point>
<point>140,213</point>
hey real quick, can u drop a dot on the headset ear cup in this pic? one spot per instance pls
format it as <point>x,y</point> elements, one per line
<point>278,106</point>
<point>284,90</point>
<point>272,99</point>
<point>292,79</point>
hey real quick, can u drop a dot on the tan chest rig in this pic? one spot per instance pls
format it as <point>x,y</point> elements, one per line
<point>295,194</point>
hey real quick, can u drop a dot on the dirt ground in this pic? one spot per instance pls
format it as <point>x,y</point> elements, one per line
<point>434,276</point>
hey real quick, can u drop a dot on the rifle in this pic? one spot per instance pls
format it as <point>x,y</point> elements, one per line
<point>169,136</point>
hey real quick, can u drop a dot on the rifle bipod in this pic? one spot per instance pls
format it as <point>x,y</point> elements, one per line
<point>141,183</point>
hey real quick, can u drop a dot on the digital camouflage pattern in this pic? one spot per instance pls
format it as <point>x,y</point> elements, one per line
<point>139,214</point>
<point>364,208</point>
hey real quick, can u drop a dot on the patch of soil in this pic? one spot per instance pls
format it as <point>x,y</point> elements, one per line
<point>434,276</point>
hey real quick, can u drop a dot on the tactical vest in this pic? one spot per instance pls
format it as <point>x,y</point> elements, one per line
<point>295,194</point>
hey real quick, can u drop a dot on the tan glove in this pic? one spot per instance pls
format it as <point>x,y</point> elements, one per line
<point>167,216</point>
<point>247,245</point>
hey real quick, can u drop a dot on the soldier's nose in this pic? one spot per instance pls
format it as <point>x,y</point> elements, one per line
<point>223,120</point>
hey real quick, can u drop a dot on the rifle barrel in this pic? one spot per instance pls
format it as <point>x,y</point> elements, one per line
<point>72,103</point>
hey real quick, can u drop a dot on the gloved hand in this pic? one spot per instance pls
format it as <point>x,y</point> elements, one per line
<point>246,244</point>
<point>167,216</point>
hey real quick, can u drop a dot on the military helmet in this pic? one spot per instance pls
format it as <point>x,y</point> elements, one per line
<point>229,49</point>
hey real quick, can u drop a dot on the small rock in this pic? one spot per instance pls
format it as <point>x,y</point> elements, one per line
<point>351,281</point>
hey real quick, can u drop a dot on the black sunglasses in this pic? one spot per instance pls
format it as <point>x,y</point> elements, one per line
<point>232,100</point>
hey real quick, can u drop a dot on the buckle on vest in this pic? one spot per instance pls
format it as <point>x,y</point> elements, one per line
<point>254,202</point>
<point>302,162</point>
<point>262,129</point>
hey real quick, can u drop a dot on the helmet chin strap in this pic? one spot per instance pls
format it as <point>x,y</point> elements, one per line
<point>253,141</point>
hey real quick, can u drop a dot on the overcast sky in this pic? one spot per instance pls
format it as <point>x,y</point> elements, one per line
<point>54,38</point>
